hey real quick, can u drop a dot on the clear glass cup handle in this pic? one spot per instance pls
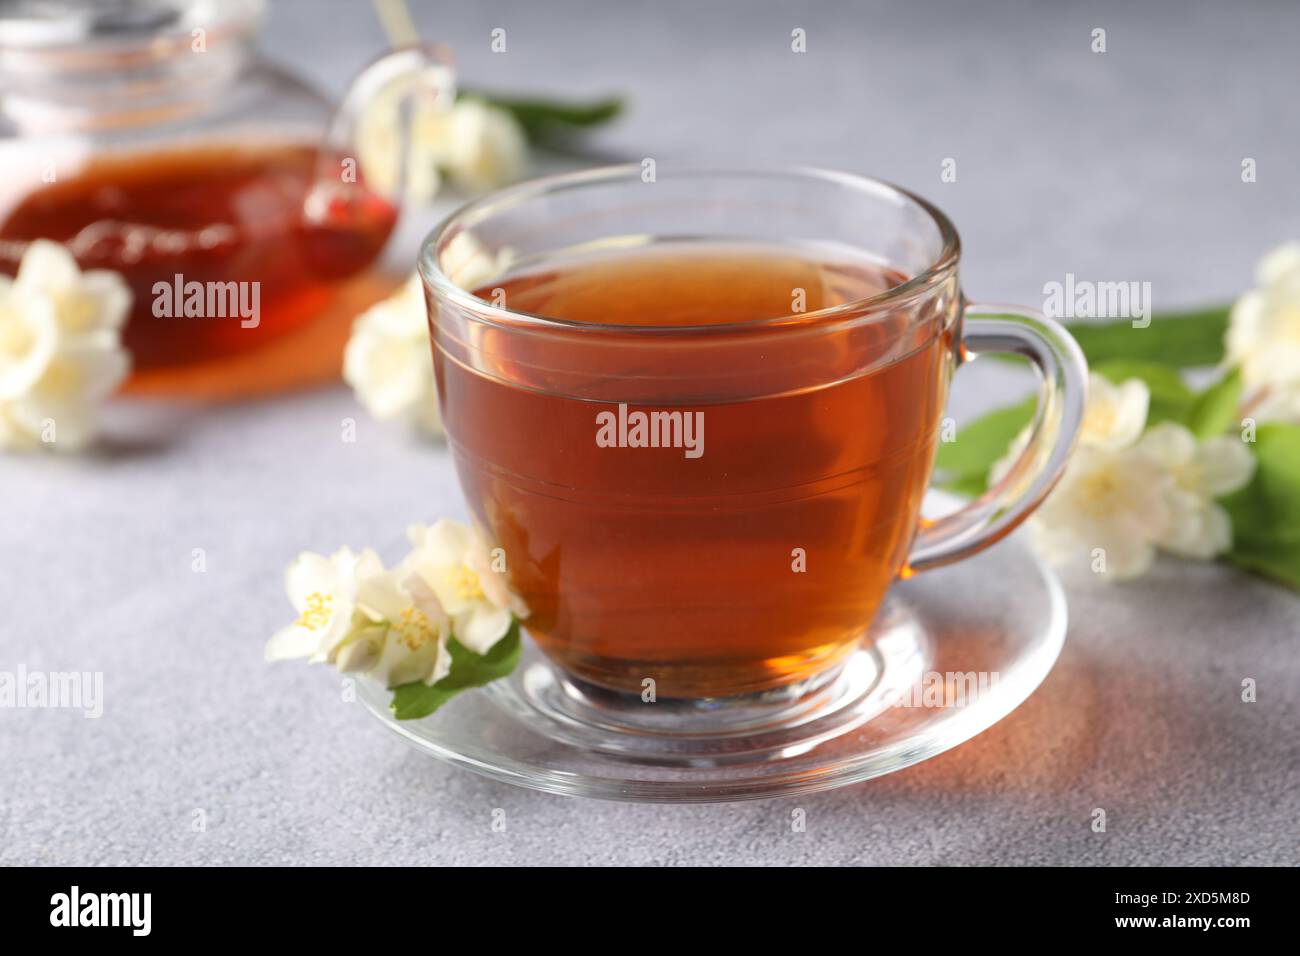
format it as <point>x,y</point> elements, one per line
<point>1063,384</point>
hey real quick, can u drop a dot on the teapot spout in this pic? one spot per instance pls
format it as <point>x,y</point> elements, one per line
<point>366,167</point>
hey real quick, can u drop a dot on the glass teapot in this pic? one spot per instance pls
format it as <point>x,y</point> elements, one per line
<point>149,138</point>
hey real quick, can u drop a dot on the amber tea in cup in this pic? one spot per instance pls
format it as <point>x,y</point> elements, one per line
<point>753,551</point>
<point>700,414</point>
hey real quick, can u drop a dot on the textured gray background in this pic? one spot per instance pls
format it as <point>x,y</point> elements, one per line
<point>1116,166</point>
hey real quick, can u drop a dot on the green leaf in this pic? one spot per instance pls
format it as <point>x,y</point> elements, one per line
<point>964,464</point>
<point>968,486</point>
<point>543,119</point>
<point>1171,399</point>
<point>1215,410</point>
<point>1181,340</point>
<point>418,699</point>
<point>1266,513</point>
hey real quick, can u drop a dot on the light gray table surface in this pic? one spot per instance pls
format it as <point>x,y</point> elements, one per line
<point>1114,166</point>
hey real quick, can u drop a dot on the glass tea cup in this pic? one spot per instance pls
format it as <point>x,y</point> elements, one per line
<point>695,492</point>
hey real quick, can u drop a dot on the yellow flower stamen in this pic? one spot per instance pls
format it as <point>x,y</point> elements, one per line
<point>465,581</point>
<point>15,338</point>
<point>414,629</point>
<point>62,378</point>
<point>1100,420</point>
<point>1097,493</point>
<point>317,613</point>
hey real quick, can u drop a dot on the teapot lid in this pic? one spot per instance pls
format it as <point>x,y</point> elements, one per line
<point>77,65</point>
<point>36,24</point>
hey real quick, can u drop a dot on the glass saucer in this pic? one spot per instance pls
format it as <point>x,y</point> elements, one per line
<point>952,652</point>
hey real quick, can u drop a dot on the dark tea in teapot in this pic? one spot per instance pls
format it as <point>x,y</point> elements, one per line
<point>224,246</point>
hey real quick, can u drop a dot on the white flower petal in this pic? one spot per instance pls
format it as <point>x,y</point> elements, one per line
<point>392,376</point>
<point>1279,264</point>
<point>1170,444</point>
<point>14,434</point>
<point>447,584</point>
<point>1128,558</point>
<point>1115,414</point>
<point>1245,326</point>
<point>1223,465</point>
<point>292,642</point>
<point>360,650</point>
<point>60,349</point>
<point>388,360</point>
<point>483,627</point>
<point>29,337</point>
<point>486,147</point>
<point>109,301</point>
<point>309,573</point>
<point>1279,403</point>
<point>400,664</point>
<point>1199,529</point>
<point>445,543</point>
<point>1109,500</point>
<point>84,369</point>
<point>381,598</point>
<point>363,565</point>
<point>1264,332</point>
<point>48,268</point>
